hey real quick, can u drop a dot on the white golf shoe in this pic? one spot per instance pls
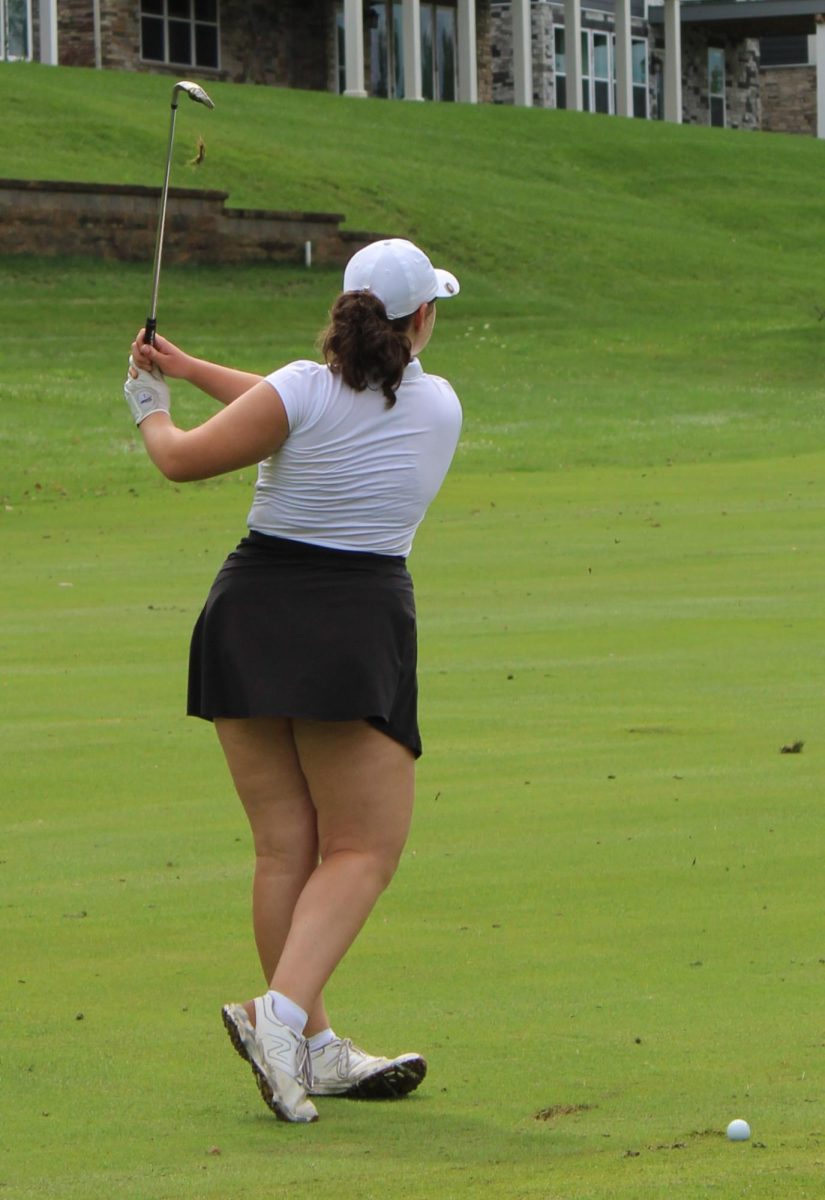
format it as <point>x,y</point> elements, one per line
<point>279,1058</point>
<point>342,1069</point>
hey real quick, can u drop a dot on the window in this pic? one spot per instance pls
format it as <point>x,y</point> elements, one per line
<point>587,103</point>
<point>638,50</point>
<point>599,72</point>
<point>379,50</point>
<point>385,36</point>
<point>786,50</point>
<point>15,29</point>
<point>716,85</point>
<point>183,32</point>
<point>398,49</point>
<point>561,68</point>
<point>341,45</point>
<point>601,56</point>
<point>444,68</point>
<point>428,52</point>
<point>386,49</point>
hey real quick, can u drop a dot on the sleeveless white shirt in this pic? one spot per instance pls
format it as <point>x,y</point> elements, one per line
<point>352,473</point>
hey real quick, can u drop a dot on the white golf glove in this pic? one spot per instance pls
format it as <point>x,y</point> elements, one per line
<point>146,392</point>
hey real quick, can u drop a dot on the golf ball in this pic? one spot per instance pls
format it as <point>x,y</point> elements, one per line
<point>739,1130</point>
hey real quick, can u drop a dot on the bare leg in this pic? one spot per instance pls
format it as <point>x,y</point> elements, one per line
<point>343,791</point>
<point>263,761</point>
<point>362,786</point>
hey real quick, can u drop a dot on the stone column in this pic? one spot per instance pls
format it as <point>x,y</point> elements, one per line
<point>522,53</point>
<point>48,32</point>
<point>624,60</point>
<point>412,50</point>
<point>98,37</point>
<point>820,76</point>
<point>354,48</point>
<point>673,61</point>
<point>467,52</point>
<point>573,53</point>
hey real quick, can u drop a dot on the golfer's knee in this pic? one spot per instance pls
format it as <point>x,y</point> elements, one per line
<point>375,864</point>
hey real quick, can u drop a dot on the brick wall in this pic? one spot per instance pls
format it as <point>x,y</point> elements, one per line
<point>75,33</point>
<point>287,45</point>
<point>788,99</point>
<point>120,35</point>
<point>113,222</point>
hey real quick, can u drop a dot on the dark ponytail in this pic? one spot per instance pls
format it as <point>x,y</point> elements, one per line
<point>364,347</point>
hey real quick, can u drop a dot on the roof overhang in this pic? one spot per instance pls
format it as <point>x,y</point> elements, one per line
<point>748,18</point>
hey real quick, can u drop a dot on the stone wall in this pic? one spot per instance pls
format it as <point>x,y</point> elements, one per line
<point>484,65</point>
<point>119,222</point>
<point>788,99</point>
<point>501,53</point>
<point>742,102</point>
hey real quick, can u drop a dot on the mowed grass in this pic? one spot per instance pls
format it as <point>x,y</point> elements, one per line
<point>606,932</point>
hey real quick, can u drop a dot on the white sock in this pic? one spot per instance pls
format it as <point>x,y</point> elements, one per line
<point>319,1040</point>
<point>286,1011</point>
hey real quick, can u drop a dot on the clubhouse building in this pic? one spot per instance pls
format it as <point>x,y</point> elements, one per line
<point>742,64</point>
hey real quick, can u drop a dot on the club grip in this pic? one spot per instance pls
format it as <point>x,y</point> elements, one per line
<point>151,329</point>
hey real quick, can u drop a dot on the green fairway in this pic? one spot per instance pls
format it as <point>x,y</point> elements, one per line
<point>606,932</point>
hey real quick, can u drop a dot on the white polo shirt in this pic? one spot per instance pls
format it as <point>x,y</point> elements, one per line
<point>352,473</point>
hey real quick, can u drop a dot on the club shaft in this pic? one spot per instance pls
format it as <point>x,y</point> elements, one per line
<point>151,320</point>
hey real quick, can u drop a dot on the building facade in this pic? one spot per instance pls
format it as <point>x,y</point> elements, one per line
<point>744,64</point>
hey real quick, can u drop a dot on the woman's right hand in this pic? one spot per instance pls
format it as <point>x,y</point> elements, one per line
<point>164,355</point>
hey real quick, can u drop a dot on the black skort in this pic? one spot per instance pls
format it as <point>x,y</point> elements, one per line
<point>291,629</point>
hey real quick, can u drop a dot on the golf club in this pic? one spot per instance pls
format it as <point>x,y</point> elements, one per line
<point>195,92</point>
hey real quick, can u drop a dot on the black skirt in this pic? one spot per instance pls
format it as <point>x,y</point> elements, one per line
<point>295,630</point>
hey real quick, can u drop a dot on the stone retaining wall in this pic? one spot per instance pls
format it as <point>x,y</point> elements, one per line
<point>119,222</point>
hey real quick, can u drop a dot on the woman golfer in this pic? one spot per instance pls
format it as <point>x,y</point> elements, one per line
<point>305,653</point>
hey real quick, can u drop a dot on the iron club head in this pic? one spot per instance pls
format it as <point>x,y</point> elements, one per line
<point>193,90</point>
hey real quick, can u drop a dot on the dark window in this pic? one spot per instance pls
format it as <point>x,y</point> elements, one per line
<point>184,32</point>
<point>151,39</point>
<point>206,45</point>
<point>716,85</point>
<point>180,42</point>
<point>787,50</point>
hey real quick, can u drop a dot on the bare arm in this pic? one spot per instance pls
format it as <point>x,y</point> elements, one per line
<point>248,430</point>
<point>224,384</point>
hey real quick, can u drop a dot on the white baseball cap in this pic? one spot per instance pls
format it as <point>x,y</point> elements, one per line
<point>400,275</point>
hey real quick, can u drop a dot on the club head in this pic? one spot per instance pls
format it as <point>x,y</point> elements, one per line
<point>194,91</point>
